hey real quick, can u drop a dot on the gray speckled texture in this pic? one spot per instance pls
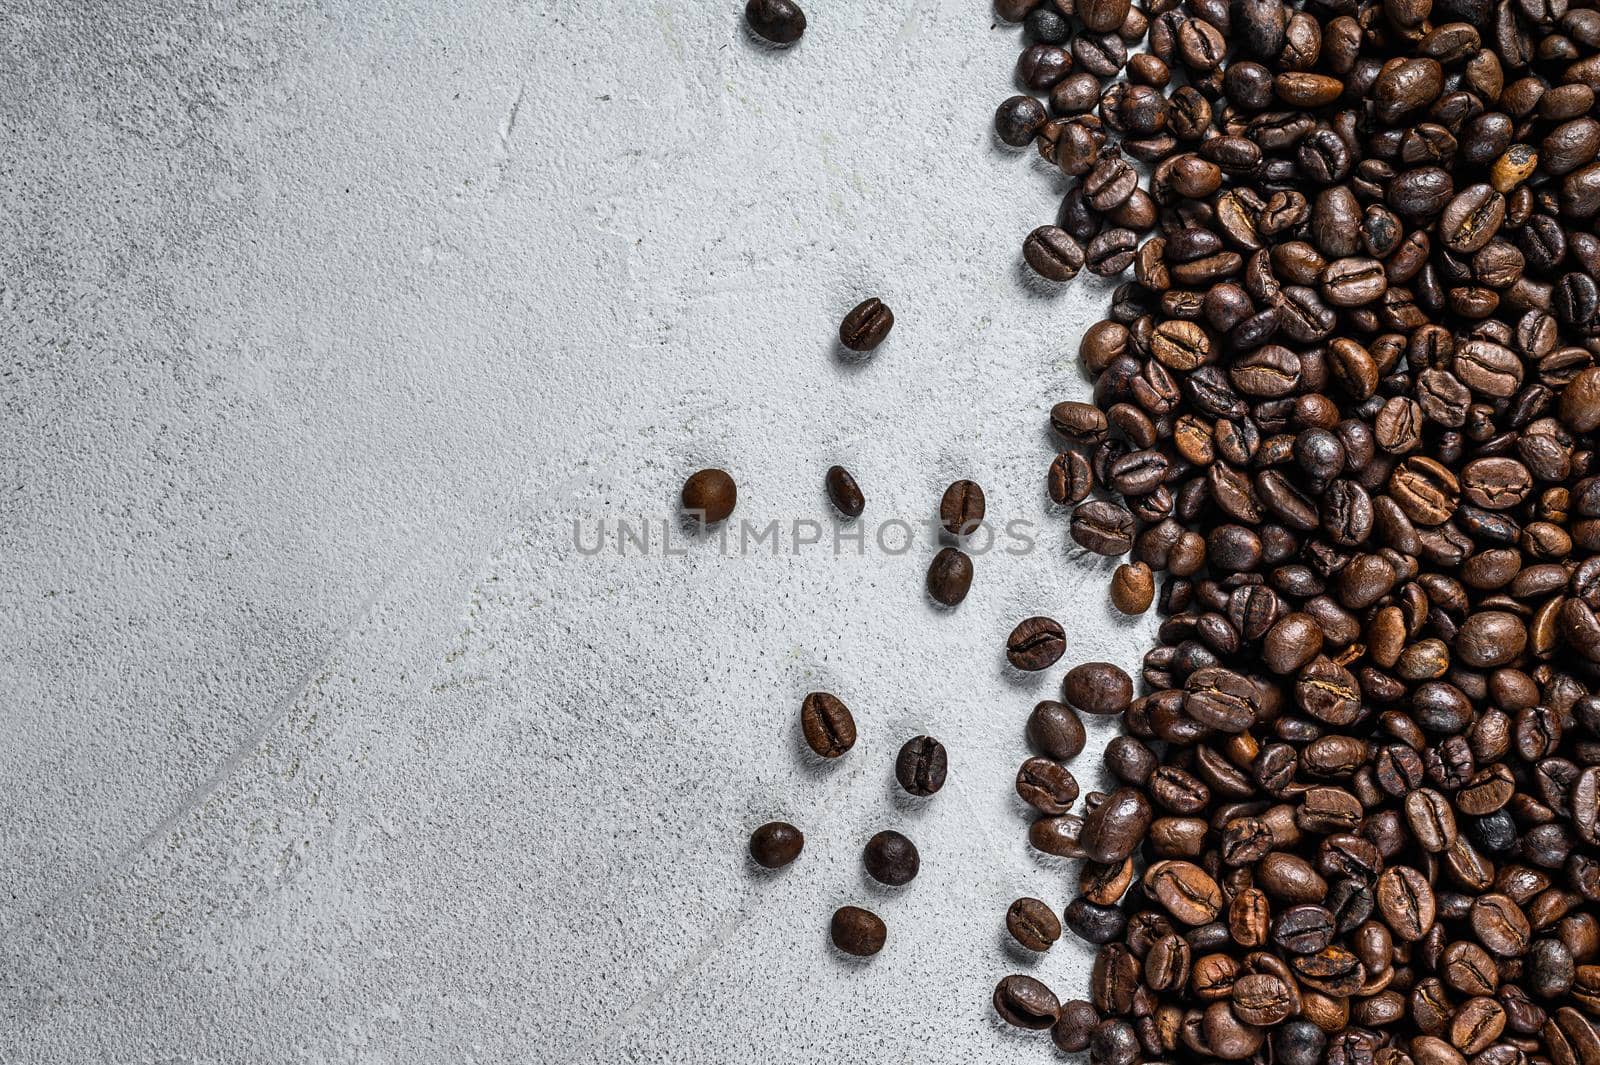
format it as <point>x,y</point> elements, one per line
<point>321,323</point>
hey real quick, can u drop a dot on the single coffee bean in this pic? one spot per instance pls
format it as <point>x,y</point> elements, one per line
<point>1097,688</point>
<point>1025,1002</point>
<point>1033,924</point>
<point>1112,830</point>
<point>961,509</point>
<point>857,931</point>
<point>709,496</point>
<point>921,765</point>
<point>776,844</point>
<point>1500,925</point>
<point>1056,731</point>
<point>1070,479</point>
<point>950,576</point>
<point>1103,527</point>
<point>1018,120</point>
<point>891,858</point>
<point>778,21</point>
<point>844,493</point>
<point>1406,902</point>
<point>1132,588</point>
<point>1047,786</point>
<point>866,326</point>
<point>1075,1026</point>
<point>1036,643</point>
<point>829,728</point>
<point>1052,253</point>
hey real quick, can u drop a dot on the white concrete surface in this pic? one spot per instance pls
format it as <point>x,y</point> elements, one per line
<point>320,323</point>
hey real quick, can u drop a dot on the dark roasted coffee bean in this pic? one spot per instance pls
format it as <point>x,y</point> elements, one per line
<point>776,844</point>
<point>857,931</point>
<point>1055,731</point>
<point>891,858</point>
<point>829,728</point>
<point>962,508</point>
<point>1018,120</point>
<point>843,492</point>
<point>778,21</point>
<point>1036,643</point>
<point>1033,924</point>
<point>1026,1003</point>
<point>865,327</point>
<point>1072,1031</point>
<point>1103,527</point>
<point>1097,688</point>
<point>950,576</point>
<point>921,765</point>
<point>709,496</point>
<point>1047,786</point>
<point>1094,923</point>
<point>1113,829</point>
<point>1052,252</point>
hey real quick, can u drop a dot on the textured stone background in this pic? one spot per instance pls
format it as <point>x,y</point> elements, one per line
<point>321,324</point>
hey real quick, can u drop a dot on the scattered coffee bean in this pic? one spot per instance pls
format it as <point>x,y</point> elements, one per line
<point>961,509</point>
<point>1133,588</point>
<point>1053,254</point>
<point>1033,924</point>
<point>1025,1002</point>
<point>776,844</point>
<point>1036,643</point>
<point>857,931</point>
<point>844,493</point>
<point>865,327</point>
<point>709,496</point>
<point>921,765</point>
<point>891,859</point>
<point>829,728</point>
<point>950,576</point>
<point>1098,688</point>
<point>1056,731</point>
<point>778,21</point>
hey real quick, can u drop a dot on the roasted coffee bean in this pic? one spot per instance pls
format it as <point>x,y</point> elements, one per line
<point>1036,643</point>
<point>1075,1026</point>
<point>776,844</point>
<point>843,492</point>
<point>1018,120</point>
<point>962,508</point>
<point>709,496</point>
<point>891,859</point>
<point>1102,527</point>
<point>921,765</point>
<point>829,728</point>
<point>1070,479</point>
<point>857,931</point>
<point>1052,253</point>
<point>950,576</point>
<point>866,326</point>
<point>1112,830</point>
<point>1055,731</point>
<point>1026,1003</point>
<point>1132,588</point>
<point>1094,923</point>
<point>1033,924</point>
<point>1047,786</point>
<point>778,21</point>
<point>1097,688</point>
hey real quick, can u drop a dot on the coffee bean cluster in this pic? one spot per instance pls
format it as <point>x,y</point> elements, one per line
<point>1343,436</point>
<point>889,857</point>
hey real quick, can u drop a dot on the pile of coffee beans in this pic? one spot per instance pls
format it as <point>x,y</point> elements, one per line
<point>1343,430</point>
